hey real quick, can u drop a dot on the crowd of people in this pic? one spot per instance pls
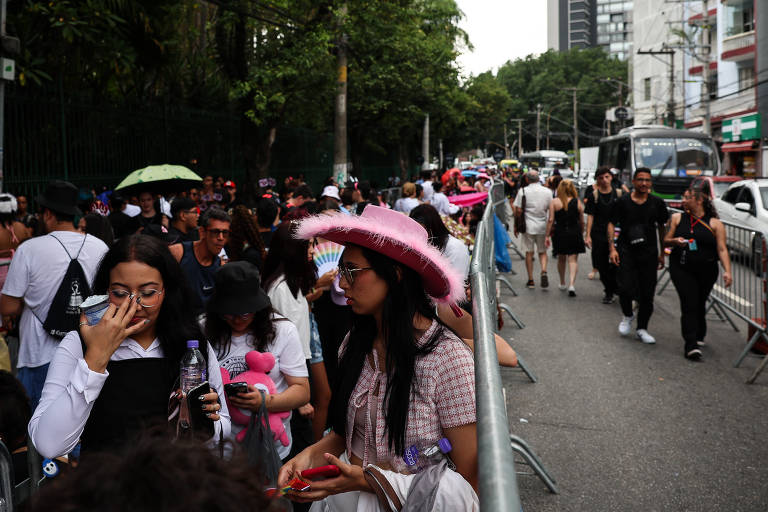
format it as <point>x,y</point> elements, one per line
<point>367,358</point>
<point>630,234</point>
<point>357,361</point>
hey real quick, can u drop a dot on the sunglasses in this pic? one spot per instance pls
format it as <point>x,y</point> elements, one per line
<point>219,232</point>
<point>349,273</point>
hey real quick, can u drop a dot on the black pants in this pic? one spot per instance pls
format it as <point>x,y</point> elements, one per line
<point>637,281</point>
<point>693,283</point>
<point>603,265</point>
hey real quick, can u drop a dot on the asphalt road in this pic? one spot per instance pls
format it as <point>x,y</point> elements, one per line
<point>625,426</point>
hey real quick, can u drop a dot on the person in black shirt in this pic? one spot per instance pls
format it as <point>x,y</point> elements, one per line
<point>640,216</point>
<point>122,224</point>
<point>184,215</point>
<point>698,240</point>
<point>598,203</point>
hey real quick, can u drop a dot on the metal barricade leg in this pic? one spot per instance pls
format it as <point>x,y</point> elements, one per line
<point>521,364</point>
<point>760,368</point>
<point>504,280</point>
<point>512,315</point>
<point>536,467</point>
<point>758,334</point>
<point>664,274</point>
<point>721,313</point>
<point>526,446</point>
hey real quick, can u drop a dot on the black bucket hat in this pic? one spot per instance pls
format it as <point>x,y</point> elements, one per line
<point>238,290</point>
<point>61,197</point>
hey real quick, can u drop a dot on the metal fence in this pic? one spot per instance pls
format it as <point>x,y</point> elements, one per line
<point>497,477</point>
<point>747,297</point>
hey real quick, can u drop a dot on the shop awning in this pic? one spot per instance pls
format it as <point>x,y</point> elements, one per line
<point>731,147</point>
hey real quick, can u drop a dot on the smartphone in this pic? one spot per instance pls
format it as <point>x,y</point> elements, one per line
<point>235,388</point>
<point>328,471</point>
<point>201,424</point>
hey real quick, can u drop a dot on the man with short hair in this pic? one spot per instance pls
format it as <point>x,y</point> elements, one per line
<point>37,271</point>
<point>200,259</point>
<point>267,211</point>
<point>537,199</point>
<point>598,205</point>
<point>301,195</point>
<point>641,217</point>
<point>122,223</point>
<point>184,213</point>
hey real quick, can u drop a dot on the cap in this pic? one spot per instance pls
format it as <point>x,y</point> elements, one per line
<point>229,184</point>
<point>193,344</point>
<point>445,445</point>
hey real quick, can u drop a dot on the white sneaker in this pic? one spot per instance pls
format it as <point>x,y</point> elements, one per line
<point>625,326</point>
<point>562,287</point>
<point>645,337</point>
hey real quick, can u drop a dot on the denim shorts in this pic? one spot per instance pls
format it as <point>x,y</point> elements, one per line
<point>315,347</point>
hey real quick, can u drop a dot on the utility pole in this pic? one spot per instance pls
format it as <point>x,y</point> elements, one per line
<point>340,164</point>
<point>538,126</point>
<point>425,144</point>
<point>519,135</point>
<point>708,49</point>
<point>574,90</point>
<point>506,144</point>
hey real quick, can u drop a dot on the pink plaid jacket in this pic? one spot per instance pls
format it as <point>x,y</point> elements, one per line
<point>443,397</point>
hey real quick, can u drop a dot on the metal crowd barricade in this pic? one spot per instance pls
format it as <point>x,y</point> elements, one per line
<point>746,297</point>
<point>496,447</point>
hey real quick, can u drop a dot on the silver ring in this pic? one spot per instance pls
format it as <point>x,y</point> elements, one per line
<point>82,324</point>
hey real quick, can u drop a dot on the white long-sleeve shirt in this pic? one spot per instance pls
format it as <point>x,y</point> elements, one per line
<point>442,205</point>
<point>71,388</point>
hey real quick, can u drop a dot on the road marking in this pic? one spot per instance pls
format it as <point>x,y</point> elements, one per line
<point>735,298</point>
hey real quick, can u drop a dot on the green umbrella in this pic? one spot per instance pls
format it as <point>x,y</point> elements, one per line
<point>159,178</point>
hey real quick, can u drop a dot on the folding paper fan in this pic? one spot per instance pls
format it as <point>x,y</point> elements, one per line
<point>327,256</point>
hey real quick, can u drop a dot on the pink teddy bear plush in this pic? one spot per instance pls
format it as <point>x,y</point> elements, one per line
<point>259,364</point>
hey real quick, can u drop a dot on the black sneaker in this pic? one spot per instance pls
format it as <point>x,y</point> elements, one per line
<point>608,299</point>
<point>544,280</point>
<point>530,284</point>
<point>693,355</point>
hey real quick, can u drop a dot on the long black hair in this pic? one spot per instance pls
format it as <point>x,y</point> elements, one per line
<point>219,332</point>
<point>176,322</point>
<point>427,216</point>
<point>405,298</point>
<point>287,257</point>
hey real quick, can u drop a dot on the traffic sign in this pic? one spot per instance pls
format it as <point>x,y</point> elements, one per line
<point>621,112</point>
<point>498,155</point>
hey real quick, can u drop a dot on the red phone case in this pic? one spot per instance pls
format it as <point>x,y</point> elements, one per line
<point>321,472</point>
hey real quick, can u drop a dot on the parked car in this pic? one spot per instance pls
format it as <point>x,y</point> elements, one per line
<point>717,185</point>
<point>745,204</point>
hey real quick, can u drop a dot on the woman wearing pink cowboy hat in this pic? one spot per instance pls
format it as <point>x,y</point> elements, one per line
<point>408,379</point>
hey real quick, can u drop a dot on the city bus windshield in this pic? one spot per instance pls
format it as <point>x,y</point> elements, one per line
<point>675,156</point>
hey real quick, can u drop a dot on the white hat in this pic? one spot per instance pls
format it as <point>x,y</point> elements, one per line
<point>8,203</point>
<point>331,191</point>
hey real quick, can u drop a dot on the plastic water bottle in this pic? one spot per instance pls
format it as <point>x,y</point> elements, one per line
<point>418,457</point>
<point>193,373</point>
<point>193,367</point>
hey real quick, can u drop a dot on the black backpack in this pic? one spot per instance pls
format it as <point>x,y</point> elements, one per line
<point>64,313</point>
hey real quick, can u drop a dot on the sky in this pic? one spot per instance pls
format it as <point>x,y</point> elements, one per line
<point>502,30</point>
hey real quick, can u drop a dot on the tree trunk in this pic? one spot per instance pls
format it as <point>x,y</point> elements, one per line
<point>402,158</point>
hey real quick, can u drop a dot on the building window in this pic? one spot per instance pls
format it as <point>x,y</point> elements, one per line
<point>739,17</point>
<point>647,89</point>
<point>746,77</point>
<point>712,88</point>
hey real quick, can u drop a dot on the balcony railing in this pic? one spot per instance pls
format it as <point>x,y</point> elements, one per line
<point>739,46</point>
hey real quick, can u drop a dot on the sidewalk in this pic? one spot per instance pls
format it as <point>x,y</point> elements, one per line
<point>626,426</point>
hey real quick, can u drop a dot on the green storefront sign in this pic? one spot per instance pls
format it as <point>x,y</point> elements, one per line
<point>741,128</point>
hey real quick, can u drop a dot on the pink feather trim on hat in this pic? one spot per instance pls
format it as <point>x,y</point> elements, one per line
<point>395,235</point>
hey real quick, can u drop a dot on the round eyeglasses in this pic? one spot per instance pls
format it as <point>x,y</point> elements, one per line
<point>146,298</point>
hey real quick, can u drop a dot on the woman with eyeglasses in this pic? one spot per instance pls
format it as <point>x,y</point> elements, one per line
<point>407,380</point>
<point>239,319</point>
<point>113,379</point>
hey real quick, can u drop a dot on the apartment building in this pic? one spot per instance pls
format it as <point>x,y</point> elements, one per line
<point>590,23</point>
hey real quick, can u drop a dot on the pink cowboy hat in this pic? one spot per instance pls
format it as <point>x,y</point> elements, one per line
<point>394,235</point>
